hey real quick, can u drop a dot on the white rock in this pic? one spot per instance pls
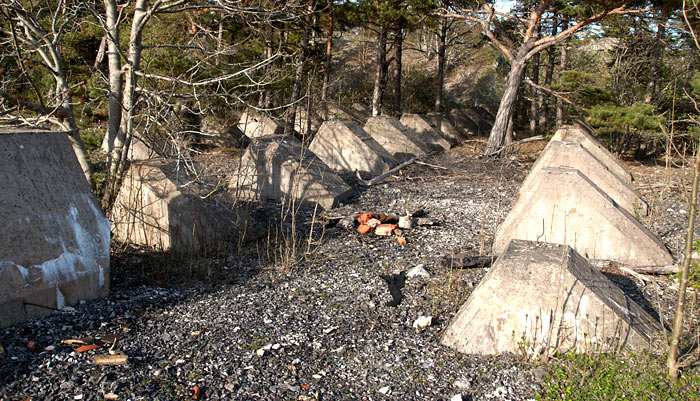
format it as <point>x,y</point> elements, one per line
<point>457,397</point>
<point>50,348</point>
<point>418,271</point>
<point>422,322</point>
<point>405,222</point>
<point>260,352</point>
<point>385,390</point>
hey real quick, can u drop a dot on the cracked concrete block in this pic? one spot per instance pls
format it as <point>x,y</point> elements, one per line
<point>579,134</point>
<point>429,135</point>
<point>395,138</point>
<point>154,208</point>
<point>463,123</point>
<point>344,145</point>
<point>563,206</point>
<point>279,168</point>
<point>574,155</point>
<point>54,237</point>
<point>540,298</point>
<point>255,124</point>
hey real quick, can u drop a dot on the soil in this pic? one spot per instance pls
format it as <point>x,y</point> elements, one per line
<point>304,314</point>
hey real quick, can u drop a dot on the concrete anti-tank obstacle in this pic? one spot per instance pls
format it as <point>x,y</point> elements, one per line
<point>463,123</point>
<point>395,138</point>
<point>54,237</point>
<point>443,124</point>
<point>344,145</point>
<point>279,168</point>
<point>154,209</point>
<point>541,298</point>
<point>564,206</point>
<point>256,124</point>
<point>574,155</point>
<point>579,134</point>
<point>429,135</point>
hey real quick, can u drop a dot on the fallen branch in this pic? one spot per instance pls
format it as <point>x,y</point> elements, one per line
<point>668,269</point>
<point>380,177</point>
<point>513,144</point>
<point>431,165</point>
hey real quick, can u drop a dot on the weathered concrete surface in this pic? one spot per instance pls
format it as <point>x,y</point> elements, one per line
<point>443,124</point>
<point>213,133</point>
<point>279,168</point>
<point>54,238</point>
<point>429,135</point>
<point>563,206</point>
<point>154,209</point>
<point>395,138</point>
<point>255,124</point>
<point>354,112</point>
<point>574,155</point>
<point>578,133</point>
<point>484,122</point>
<point>344,145</point>
<point>301,120</point>
<point>541,298</point>
<point>462,122</point>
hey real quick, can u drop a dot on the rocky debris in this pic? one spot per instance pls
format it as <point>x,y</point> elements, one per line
<point>248,303</point>
<point>422,322</point>
<point>418,271</point>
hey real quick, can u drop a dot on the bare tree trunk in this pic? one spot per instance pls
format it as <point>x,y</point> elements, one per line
<point>442,43</point>
<point>299,74</point>
<point>329,59</point>
<point>264,100</point>
<point>657,58</point>
<point>536,96</point>
<point>562,67</point>
<point>112,137</point>
<point>672,361</point>
<point>379,73</point>
<point>398,49</point>
<point>505,109</point>
<point>549,73</point>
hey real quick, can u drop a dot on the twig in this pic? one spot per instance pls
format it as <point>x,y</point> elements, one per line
<point>380,177</point>
<point>512,144</point>
<point>431,165</point>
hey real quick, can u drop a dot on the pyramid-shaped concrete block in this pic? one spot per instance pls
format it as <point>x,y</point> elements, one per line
<point>574,155</point>
<point>429,135</point>
<point>279,168</point>
<point>443,124</point>
<point>463,123</point>
<point>579,134</point>
<point>155,209</point>
<point>563,206</point>
<point>541,298</point>
<point>255,124</point>
<point>344,145</point>
<point>484,122</point>
<point>54,237</point>
<point>395,138</point>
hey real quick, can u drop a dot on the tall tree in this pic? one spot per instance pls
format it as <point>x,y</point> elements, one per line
<point>520,52</point>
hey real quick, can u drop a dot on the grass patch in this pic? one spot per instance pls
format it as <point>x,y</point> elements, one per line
<point>607,377</point>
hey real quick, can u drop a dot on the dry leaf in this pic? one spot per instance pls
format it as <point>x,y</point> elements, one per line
<point>85,348</point>
<point>398,232</point>
<point>31,345</point>
<point>118,358</point>
<point>111,397</point>
<point>196,390</point>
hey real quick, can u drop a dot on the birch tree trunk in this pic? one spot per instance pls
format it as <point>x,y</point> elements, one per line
<point>115,83</point>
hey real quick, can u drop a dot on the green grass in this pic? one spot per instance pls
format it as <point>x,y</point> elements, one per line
<point>607,377</point>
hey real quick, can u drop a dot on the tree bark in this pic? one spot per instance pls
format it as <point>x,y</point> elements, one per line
<point>535,93</point>
<point>442,43</point>
<point>115,82</point>
<point>299,74</point>
<point>398,49</point>
<point>505,108</point>
<point>379,73</point>
<point>264,101</point>
<point>549,73</point>
<point>329,59</point>
<point>562,67</point>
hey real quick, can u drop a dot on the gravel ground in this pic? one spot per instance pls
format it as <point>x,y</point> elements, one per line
<point>316,327</point>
